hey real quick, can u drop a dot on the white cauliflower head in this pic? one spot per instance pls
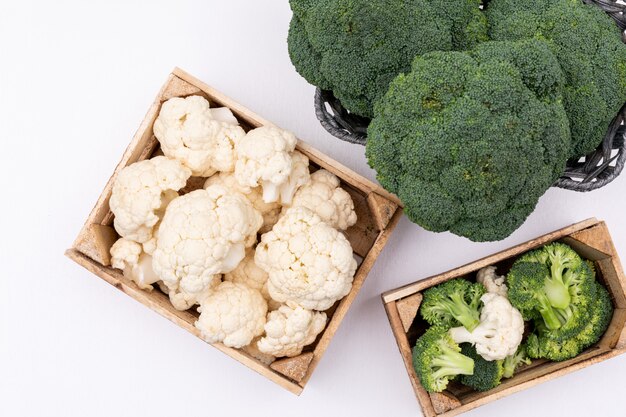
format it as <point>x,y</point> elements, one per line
<point>233,314</point>
<point>189,131</point>
<point>128,256</point>
<point>269,211</point>
<point>500,330</point>
<point>266,158</point>
<point>202,234</point>
<point>327,199</point>
<point>288,330</point>
<point>141,192</point>
<point>309,263</point>
<point>183,300</point>
<point>492,281</point>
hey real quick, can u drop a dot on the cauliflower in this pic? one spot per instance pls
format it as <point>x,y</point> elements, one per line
<point>269,211</point>
<point>191,132</point>
<point>250,274</point>
<point>140,193</point>
<point>500,330</point>
<point>183,300</point>
<point>492,282</point>
<point>233,314</point>
<point>309,263</point>
<point>128,256</point>
<point>327,199</point>
<point>288,330</point>
<point>202,234</point>
<point>266,157</point>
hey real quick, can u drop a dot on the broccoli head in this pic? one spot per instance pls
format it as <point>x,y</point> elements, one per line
<point>437,359</point>
<point>588,46</point>
<point>455,302</point>
<point>356,47</point>
<point>469,141</point>
<point>487,374</point>
<point>513,362</point>
<point>543,344</point>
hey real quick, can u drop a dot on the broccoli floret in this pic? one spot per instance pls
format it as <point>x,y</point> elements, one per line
<point>487,374</point>
<point>453,303</point>
<point>437,359</point>
<point>527,292</point>
<point>543,344</point>
<point>470,141</point>
<point>514,361</point>
<point>568,287</point>
<point>356,47</point>
<point>588,46</point>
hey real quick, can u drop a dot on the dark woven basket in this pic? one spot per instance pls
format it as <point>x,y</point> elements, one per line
<point>587,173</point>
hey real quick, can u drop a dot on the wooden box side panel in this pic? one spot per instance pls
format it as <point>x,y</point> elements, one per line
<point>591,239</point>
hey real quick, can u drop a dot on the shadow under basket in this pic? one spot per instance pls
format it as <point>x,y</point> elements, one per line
<point>586,173</point>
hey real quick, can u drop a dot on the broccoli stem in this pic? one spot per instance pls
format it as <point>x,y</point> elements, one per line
<point>459,309</point>
<point>451,363</point>
<point>549,315</point>
<point>556,290</point>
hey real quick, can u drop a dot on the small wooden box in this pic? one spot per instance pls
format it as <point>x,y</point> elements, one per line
<point>378,213</point>
<point>591,240</point>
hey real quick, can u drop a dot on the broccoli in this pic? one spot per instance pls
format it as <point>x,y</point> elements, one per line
<point>487,374</point>
<point>455,302</point>
<point>542,344</point>
<point>469,141</point>
<point>588,46</point>
<point>356,47</point>
<point>437,359</point>
<point>514,361</point>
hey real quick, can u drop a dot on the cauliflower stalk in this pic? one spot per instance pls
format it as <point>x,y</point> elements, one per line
<point>493,282</point>
<point>269,211</point>
<point>233,314</point>
<point>141,192</point>
<point>202,138</point>
<point>327,199</point>
<point>309,263</point>
<point>500,330</point>
<point>289,329</point>
<point>202,234</point>
<point>128,256</point>
<point>267,157</point>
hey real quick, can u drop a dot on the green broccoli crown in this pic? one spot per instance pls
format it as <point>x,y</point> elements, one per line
<point>356,47</point>
<point>513,362</point>
<point>470,141</point>
<point>527,292</point>
<point>544,344</point>
<point>588,46</point>
<point>437,359</point>
<point>452,303</point>
<point>487,374</point>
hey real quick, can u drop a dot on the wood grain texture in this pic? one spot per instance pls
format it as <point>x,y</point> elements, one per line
<point>368,236</point>
<point>444,401</point>
<point>407,309</point>
<point>294,368</point>
<point>590,238</point>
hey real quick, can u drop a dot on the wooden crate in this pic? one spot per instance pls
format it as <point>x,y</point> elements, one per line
<point>378,213</point>
<point>591,240</point>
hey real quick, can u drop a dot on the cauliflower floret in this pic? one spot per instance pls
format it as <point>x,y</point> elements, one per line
<point>140,193</point>
<point>202,234</point>
<point>233,314</point>
<point>189,131</point>
<point>327,199</point>
<point>500,330</point>
<point>269,211</point>
<point>492,282</point>
<point>128,256</point>
<point>182,300</point>
<point>288,330</point>
<point>266,157</point>
<point>309,263</point>
<point>253,350</point>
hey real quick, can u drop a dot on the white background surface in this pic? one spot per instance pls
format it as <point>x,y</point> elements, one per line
<point>76,79</point>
